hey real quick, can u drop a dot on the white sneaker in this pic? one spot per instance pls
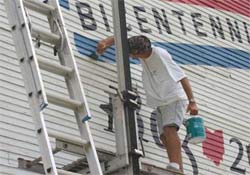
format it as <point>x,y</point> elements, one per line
<point>172,166</point>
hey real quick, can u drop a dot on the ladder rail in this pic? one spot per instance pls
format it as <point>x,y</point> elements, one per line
<point>83,113</point>
<point>65,52</point>
<point>25,53</point>
<point>33,84</point>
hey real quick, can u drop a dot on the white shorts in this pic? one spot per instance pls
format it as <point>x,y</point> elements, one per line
<point>171,115</point>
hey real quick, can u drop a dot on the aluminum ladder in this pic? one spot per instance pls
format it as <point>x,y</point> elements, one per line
<point>23,31</point>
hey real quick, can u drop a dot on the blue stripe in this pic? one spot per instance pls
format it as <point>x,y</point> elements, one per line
<point>187,54</point>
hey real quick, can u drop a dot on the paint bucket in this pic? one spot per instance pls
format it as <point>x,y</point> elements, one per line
<point>195,130</point>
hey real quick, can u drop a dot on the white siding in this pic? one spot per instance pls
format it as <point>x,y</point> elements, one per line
<point>223,94</point>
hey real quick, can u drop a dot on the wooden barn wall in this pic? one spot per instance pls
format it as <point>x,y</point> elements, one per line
<point>209,39</point>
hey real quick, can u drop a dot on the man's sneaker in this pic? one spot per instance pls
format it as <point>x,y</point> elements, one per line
<point>174,167</point>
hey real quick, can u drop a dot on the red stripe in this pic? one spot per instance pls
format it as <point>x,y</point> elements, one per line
<point>234,6</point>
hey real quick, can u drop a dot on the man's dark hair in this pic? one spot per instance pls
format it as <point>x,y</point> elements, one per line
<point>139,44</point>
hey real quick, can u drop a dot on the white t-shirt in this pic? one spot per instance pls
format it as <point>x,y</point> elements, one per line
<point>161,78</point>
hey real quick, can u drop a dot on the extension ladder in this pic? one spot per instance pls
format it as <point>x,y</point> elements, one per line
<point>22,31</point>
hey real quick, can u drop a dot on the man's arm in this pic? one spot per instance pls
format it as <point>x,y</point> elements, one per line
<point>192,107</point>
<point>104,44</point>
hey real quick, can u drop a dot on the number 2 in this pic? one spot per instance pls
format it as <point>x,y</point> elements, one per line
<point>239,157</point>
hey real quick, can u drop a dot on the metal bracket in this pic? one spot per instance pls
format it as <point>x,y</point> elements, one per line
<point>138,153</point>
<point>129,98</point>
<point>117,100</point>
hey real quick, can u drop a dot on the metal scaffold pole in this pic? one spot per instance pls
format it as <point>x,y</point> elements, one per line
<point>125,84</point>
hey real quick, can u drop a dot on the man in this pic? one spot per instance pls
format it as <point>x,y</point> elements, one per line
<point>167,88</point>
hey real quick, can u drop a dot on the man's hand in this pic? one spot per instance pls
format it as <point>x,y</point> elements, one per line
<point>192,108</point>
<point>104,44</point>
<point>101,47</point>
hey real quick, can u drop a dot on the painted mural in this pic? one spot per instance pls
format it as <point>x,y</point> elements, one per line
<point>210,39</point>
<point>219,40</point>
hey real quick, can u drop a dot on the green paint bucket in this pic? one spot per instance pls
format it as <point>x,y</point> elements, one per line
<point>195,130</point>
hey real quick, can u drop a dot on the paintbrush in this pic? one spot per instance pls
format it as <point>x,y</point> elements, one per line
<point>95,55</point>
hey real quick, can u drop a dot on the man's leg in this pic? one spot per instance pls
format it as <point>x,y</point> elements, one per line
<point>172,144</point>
<point>171,120</point>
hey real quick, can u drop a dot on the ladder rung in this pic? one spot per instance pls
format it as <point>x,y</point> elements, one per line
<point>54,67</point>
<point>39,7</point>
<point>45,35</point>
<point>63,172</point>
<point>63,101</point>
<point>66,138</point>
